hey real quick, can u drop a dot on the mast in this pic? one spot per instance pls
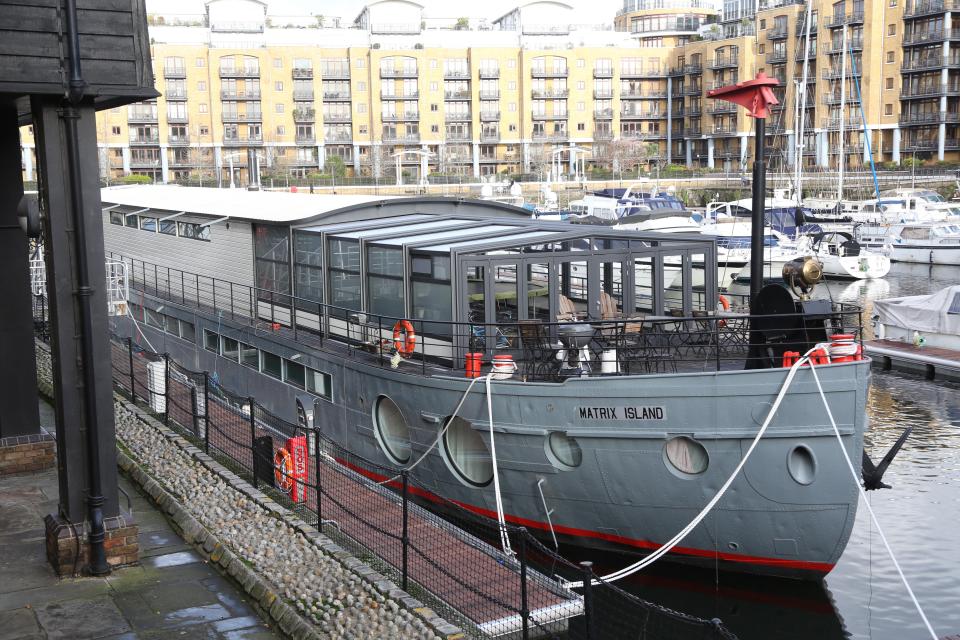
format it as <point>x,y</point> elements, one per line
<point>843,109</point>
<point>798,122</point>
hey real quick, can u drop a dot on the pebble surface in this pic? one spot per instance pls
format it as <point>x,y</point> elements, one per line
<point>338,601</point>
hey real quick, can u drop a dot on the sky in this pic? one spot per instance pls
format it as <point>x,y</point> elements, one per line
<point>586,11</point>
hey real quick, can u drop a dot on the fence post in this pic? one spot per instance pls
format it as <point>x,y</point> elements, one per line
<point>405,540</point>
<point>193,409</point>
<point>253,442</point>
<point>206,412</point>
<point>587,568</point>
<point>133,379</point>
<point>524,608</point>
<point>166,388</point>
<point>316,462</point>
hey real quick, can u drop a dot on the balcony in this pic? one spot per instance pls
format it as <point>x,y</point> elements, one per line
<point>489,116</point>
<point>302,73</point>
<point>931,36</point>
<point>603,114</point>
<point>389,95</point>
<point>304,115</point>
<point>458,117</point>
<point>174,72</point>
<point>306,138</point>
<point>802,52</point>
<point>603,72</point>
<point>140,117</point>
<point>693,69</point>
<point>928,118</point>
<point>406,138</point>
<point>838,20</point>
<point>549,116</point>
<point>549,93</point>
<point>777,57</point>
<point>643,73</point>
<point>337,117</point>
<point>456,95</point>
<point>144,140</point>
<point>405,72</point>
<point>833,97</point>
<point>338,136</point>
<point>244,72</point>
<point>643,135</point>
<point>490,95</point>
<point>178,141</point>
<point>850,122</point>
<point>603,135</point>
<point>720,106</point>
<point>177,118</point>
<point>725,129</point>
<point>549,73</point>
<point>642,115</point>
<point>778,32</point>
<point>178,163</point>
<point>694,90</point>
<point>802,27</point>
<point>458,136</point>
<point>249,94</point>
<point>303,94</point>
<point>242,117</point>
<point>920,145</point>
<point>725,62</point>
<point>933,91</point>
<point>833,48</point>
<point>489,136</point>
<point>931,7</point>
<point>403,116</point>
<point>930,64</point>
<point>144,163</point>
<point>176,94</point>
<point>248,141</point>
<point>336,96</point>
<point>335,72</point>
<point>456,74</point>
<point>693,111</point>
<point>831,73</point>
<point>489,73</point>
<point>691,131</point>
<point>552,136</point>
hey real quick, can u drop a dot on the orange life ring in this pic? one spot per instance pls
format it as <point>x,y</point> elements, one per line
<point>283,470</point>
<point>724,302</point>
<point>406,345</point>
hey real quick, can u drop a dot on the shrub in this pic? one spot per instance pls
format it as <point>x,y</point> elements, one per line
<point>136,178</point>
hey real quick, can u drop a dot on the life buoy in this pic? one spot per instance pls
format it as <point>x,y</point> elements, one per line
<point>405,346</point>
<point>283,470</point>
<point>724,302</point>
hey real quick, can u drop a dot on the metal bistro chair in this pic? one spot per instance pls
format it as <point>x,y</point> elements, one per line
<point>539,355</point>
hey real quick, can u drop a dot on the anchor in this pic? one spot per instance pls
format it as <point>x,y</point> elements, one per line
<point>873,474</point>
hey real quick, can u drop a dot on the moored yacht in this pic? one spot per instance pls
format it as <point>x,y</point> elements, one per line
<point>927,243</point>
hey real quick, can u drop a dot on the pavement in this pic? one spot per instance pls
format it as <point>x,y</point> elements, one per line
<point>173,593</point>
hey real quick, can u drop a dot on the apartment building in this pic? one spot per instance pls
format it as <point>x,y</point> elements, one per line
<point>531,88</point>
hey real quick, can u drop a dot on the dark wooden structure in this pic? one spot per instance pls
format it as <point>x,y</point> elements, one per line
<point>60,61</point>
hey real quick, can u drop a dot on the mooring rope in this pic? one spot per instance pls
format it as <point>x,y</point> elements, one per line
<point>501,516</point>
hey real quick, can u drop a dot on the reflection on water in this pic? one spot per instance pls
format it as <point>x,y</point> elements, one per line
<point>863,597</point>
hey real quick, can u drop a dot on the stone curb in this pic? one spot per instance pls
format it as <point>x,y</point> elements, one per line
<point>209,546</point>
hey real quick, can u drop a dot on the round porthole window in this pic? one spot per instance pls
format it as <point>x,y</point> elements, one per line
<point>563,451</point>
<point>686,456</point>
<point>467,454</point>
<point>391,430</point>
<point>802,465</point>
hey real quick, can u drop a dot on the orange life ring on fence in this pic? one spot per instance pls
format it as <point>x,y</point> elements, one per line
<point>724,302</point>
<point>408,343</point>
<point>283,470</point>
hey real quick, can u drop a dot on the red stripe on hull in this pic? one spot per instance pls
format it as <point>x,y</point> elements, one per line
<point>821,568</point>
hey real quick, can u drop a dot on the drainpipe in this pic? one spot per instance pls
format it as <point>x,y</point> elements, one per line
<point>71,114</point>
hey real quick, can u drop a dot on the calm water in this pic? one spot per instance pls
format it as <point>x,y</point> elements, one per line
<point>863,596</point>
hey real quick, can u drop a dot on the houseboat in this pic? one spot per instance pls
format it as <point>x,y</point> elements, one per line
<point>623,412</point>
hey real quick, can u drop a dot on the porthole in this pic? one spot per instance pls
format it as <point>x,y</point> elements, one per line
<point>563,451</point>
<point>391,430</point>
<point>467,454</point>
<point>802,465</point>
<point>685,456</point>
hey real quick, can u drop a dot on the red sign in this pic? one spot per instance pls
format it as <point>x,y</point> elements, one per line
<point>301,459</point>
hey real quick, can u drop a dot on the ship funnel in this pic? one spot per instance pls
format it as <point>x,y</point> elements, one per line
<point>803,274</point>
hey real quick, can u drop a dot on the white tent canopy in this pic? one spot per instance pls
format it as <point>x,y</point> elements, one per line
<point>934,313</point>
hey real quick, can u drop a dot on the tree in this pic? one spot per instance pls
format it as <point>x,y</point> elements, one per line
<point>627,154</point>
<point>320,20</point>
<point>335,166</point>
<point>462,24</point>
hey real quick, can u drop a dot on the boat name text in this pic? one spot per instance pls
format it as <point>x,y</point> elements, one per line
<point>622,413</point>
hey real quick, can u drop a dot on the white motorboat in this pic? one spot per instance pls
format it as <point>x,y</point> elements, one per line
<point>926,243</point>
<point>841,256</point>
<point>929,320</point>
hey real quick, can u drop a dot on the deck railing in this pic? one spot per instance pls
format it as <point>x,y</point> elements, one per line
<point>704,338</point>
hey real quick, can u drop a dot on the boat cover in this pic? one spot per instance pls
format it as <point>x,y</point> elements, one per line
<point>937,312</point>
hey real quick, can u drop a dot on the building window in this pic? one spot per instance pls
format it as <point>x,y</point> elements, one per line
<point>281,130</point>
<point>361,86</point>
<point>115,131</point>
<point>201,85</point>
<point>434,107</point>
<point>362,107</point>
<point>203,107</point>
<point>434,86</point>
<point>211,341</point>
<point>581,126</point>
<point>890,56</point>
<point>512,128</point>
<point>434,128</point>
<point>763,23</point>
<point>512,106</point>
<point>278,63</point>
<point>888,109</point>
<point>761,48</point>
<point>581,85</point>
<point>204,131</point>
<point>271,364</point>
<point>434,63</point>
<point>359,64</point>
<point>512,85</point>
<point>362,130</point>
<point>272,256</point>
<point>889,82</point>
<point>580,106</point>
<point>511,64</point>
<point>279,107</point>
<point>891,29</point>
<point>278,85</point>
<point>201,62</point>
<point>116,218</point>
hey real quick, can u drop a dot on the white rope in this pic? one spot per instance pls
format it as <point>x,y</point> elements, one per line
<point>675,540</point>
<point>442,431</point>
<point>873,516</point>
<point>501,517</point>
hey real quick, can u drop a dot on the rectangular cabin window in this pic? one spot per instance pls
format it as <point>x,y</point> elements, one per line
<point>211,341</point>
<point>249,356</point>
<point>229,348</point>
<point>131,221</point>
<point>272,365</point>
<point>148,224</point>
<point>153,319</point>
<point>294,374</point>
<point>193,230</point>
<point>385,282</point>
<point>168,227</point>
<point>431,294</point>
<point>344,276</point>
<point>271,247</point>
<point>116,218</point>
<point>318,383</point>
<point>188,331</point>
<point>307,267</point>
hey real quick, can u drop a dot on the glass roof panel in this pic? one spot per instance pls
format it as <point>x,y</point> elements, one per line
<point>500,242</point>
<point>361,223</point>
<point>448,235</point>
<point>387,229</point>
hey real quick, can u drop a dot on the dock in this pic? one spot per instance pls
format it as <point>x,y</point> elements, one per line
<point>934,363</point>
<point>478,581</point>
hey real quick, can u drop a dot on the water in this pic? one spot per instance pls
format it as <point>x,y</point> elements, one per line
<point>863,597</point>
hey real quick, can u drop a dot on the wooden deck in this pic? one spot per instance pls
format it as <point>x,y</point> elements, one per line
<point>932,362</point>
<point>474,578</point>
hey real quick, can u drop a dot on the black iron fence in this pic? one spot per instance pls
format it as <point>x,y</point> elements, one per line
<point>452,561</point>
